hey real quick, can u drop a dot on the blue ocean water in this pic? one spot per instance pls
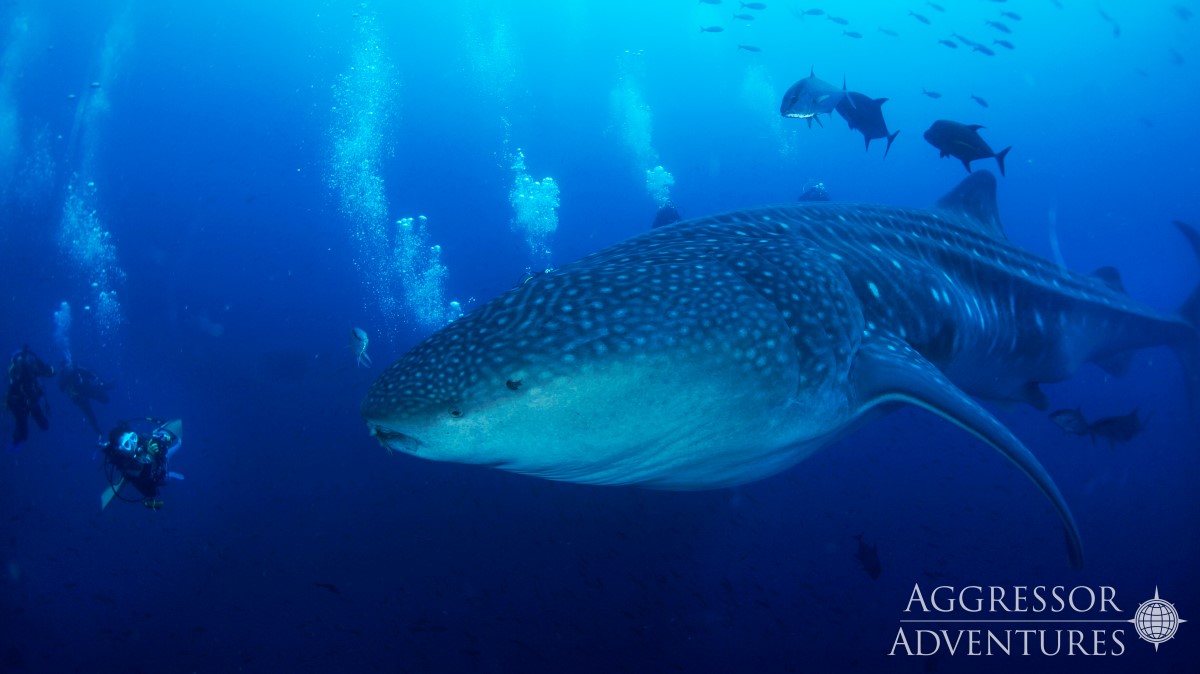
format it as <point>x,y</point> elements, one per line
<point>216,190</point>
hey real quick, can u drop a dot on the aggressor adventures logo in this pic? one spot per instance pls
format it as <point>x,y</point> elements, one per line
<point>985,620</point>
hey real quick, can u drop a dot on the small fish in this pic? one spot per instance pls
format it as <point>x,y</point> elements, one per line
<point>743,17</point>
<point>918,17</point>
<point>850,33</point>
<point>1071,421</point>
<point>887,31</point>
<point>1011,15</point>
<point>711,29</point>
<point>1176,57</point>
<point>979,100</point>
<point>838,20</point>
<point>999,26</point>
<point>967,41</point>
<point>931,94</point>
<point>936,7</point>
<point>1116,429</point>
<point>1115,25</point>
<point>709,2</point>
<point>812,12</point>
<point>1004,43</point>
<point>749,47</point>
<point>358,345</point>
<point>330,586</point>
<point>868,556</point>
<point>1182,12</point>
<point>949,43</point>
<point>754,5</point>
<point>983,49</point>
<point>1122,428</point>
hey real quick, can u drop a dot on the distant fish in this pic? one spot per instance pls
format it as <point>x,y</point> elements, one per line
<point>1149,124</point>
<point>1115,25</point>
<point>358,345</point>
<point>962,141</point>
<point>918,17</point>
<point>1070,421</point>
<point>868,556</point>
<point>1004,43</point>
<point>743,17</point>
<point>999,26</point>
<point>936,7</point>
<point>749,47</point>
<point>838,20</point>
<point>95,85</point>
<point>1121,428</point>
<point>709,2</point>
<point>888,31</point>
<point>328,586</point>
<point>1176,57</point>
<point>1116,429</point>
<point>967,41</point>
<point>1182,12</point>
<point>811,12</point>
<point>1011,15</point>
<point>850,33</point>
<point>949,43</point>
<point>711,29</point>
<point>931,94</point>
<point>754,5</point>
<point>1057,4</point>
<point>979,100</point>
<point>983,49</point>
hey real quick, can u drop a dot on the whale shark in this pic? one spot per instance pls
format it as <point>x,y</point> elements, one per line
<point>717,351</point>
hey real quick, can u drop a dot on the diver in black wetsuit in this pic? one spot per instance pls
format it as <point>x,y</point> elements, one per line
<point>141,459</point>
<point>25,397</point>
<point>82,386</point>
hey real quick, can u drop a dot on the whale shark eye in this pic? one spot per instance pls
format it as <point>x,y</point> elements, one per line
<point>456,413</point>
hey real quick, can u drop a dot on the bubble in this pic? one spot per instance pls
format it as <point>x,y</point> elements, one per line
<point>658,185</point>
<point>635,121</point>
<point>87,245</point>
<point>535,210</point>
<point>62,330</point>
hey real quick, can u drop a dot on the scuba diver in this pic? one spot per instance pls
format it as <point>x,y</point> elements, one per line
<point>666,215</point>
<point>82,386</point>
<point>141,460</point>
<point>814,190</point>
<point>25,395</point>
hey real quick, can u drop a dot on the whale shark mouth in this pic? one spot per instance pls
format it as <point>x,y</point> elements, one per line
<point>395,440</point>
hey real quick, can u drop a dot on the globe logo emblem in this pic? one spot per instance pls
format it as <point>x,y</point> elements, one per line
<point>1156,620</point>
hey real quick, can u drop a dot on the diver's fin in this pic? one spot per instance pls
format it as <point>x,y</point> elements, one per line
<point>107,495</point>
<point>174,427</point>
<point>888,371</point>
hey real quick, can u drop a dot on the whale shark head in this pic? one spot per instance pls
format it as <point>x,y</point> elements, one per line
<point>657,363</point>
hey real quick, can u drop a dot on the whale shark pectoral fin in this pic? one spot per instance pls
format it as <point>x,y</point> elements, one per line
<point>888,371</point>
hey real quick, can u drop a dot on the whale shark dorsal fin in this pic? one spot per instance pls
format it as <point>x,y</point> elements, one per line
<point>975,197</point>
<point>887,371</point>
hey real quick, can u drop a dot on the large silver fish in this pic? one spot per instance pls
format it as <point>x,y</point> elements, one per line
<point>717,351</point>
